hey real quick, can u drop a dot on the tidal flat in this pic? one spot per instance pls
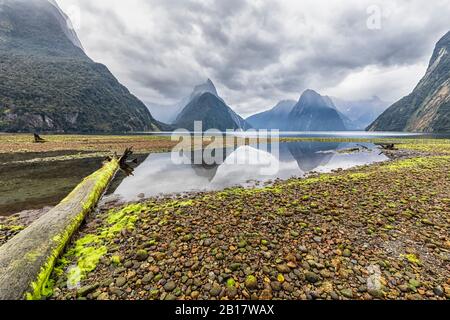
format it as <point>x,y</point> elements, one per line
<point>373,232</point>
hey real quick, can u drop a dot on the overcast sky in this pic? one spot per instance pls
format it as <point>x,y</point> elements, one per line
<point>258,52</point>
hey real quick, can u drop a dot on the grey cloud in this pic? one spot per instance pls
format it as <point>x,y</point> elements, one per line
<point>256,52</point>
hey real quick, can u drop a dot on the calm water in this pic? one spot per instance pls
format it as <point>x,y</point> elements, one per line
<point>36,185</point>
<point>335,134</point>
<point>159,175</point>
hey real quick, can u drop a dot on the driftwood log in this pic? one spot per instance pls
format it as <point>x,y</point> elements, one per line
<point>38,139</point>
<point>27,260</point>
<point>387,146</point>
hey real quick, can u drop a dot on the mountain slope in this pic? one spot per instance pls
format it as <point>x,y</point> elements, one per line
<point>275,118</point>
<point>427,108</point>
<point>213,113</point>
<point>205,105</point>
<point>314,112</point>
<point>48,83</point>
<point>169,113</point>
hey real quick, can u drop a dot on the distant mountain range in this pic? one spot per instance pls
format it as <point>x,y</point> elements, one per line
<point>205,105</point>
<point>427,108</point>
<point>355,115</point>
<point>361,113</point>
<point>48,83</point>
<point>275,118</point>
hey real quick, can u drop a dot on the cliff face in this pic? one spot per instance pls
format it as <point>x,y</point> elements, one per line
<point>427,108</point>
<point>314,112</point>
<point>48,83</point>
<point>205,104</point>
<point>212,112</point>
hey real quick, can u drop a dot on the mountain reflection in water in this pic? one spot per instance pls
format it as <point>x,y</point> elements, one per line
<point>159,175</point>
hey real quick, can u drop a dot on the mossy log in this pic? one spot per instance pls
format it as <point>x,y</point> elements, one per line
<point>27,260</point>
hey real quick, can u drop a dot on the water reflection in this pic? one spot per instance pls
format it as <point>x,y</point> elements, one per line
<point>242,166</point>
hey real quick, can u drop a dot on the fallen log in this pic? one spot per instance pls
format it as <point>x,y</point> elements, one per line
<point>27,260</point>
<point>387,146</point>
<point>38,139</point>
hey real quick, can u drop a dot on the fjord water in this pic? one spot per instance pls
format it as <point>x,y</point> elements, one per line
<point>243,166</point>
<point>36,185</point>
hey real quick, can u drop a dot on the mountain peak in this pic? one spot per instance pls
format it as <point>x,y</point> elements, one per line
<point>212,111</point>
<point>312,98</point>
<point>207,87</point>
<point>442,48</point>
<point>310,93</point>
<point>67,26</point>
<point>314,112</point>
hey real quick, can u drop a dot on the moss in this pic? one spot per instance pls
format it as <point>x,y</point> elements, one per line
<point>116,260</point>
<point>412,258</point>
<point>12,228</point>
<point>42,286</point>
<point>231,282</point>
<point>88,250</point>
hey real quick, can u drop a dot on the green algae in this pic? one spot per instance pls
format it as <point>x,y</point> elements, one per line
<point>91,248</point>
<point>12,228</point>
<point>42,286</point>
<point>412,258</point>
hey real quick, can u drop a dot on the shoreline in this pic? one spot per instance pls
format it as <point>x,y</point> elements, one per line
<point>127,245</point>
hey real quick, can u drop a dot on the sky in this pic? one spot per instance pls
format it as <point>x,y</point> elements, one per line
<point>258,52</point>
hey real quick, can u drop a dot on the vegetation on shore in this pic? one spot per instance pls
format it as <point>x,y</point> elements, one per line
<point>93,145</point>
<point>24,143</point>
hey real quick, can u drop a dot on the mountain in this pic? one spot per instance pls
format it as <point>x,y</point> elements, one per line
<point>314,112</point>
<point>48,83</point>
<point>360,113</point>
<point>427,108</point>
<point>205,105</point>
<point>169,113</point>
<point>213,113</point>
<point>275,118</point>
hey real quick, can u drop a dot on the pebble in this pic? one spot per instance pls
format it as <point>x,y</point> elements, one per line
<point>347,253</point>
<point>438,291</point>
<point>84,291</point>
<point>170,286</point>
<point>276,286</point>
<point>251,282</point>
<point>311,277</point>
<point>283,268</point>
<point>215,291</point>
<point>142,255</point>
<point>120,281</point>
<point>232,292</point>
<point>348,293</point>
